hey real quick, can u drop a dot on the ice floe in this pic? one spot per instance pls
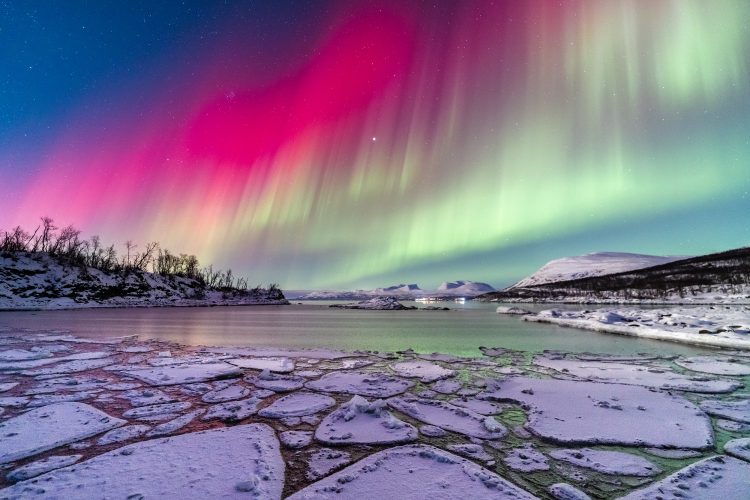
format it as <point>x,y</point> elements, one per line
<point>739,410</point>
<point>565,491</point>
<point>364,422</point>
<point>39,467</point>
<point>323,461</point>
<point>233,410</point>
<point>123,434</point>
<point>296,439</point>
<point>376,385</point>
<point>608,462</point>
<point>526,458</point>
<point>183,374</point>
<point>217,463</point>
<point>415,472</point>
<point>576,412</point>
<point>646,376</point>
<point>449,417</point>
<point>175,425</point>
<point>739,448</point>
<point>717,365</point>
<point>229,393</point>
<point>715,477</point>
<point>423,370</point>
<point>277,365</point>
<point>159,409</point>
<point>276,383</point>
<point>51,426</point>
<point>297,405</point>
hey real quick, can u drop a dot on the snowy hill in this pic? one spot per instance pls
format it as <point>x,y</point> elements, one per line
<point>35,280</point>
<point>718,278</point>
<point>462,287</point>
<point>590,265</point>
<point>412,288</point>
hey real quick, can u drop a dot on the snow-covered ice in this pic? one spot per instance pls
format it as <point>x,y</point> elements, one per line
<point>643,375</point>
<point>364,422</point>
<point>297,405</point>
<point>376,385</point>
<point>51,426</point>
<point>276,383</point>
<point>296,439</point>
<point>739,448</point>
<point>715,477</point>
<point>565,491</point>
<point>158,409</point>
<point>423,370</point>
<point>717,365</point>
<point>526,458</point>
<point>175,425</point>
<point>323,461</point>
<point>123,434</point>
<point>39,467</point>
<point>415,472</point>
<point>739,410</point>
<point>183,374</point>
<point>229,393</point>
<point>566,411</point>
<point>449,417</point>
<point>276,364</point>
<point>233,410</point>
<point>228,462</point>
<point>608,462</point>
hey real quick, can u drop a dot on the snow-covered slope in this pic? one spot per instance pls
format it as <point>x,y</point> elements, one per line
<point>39,281</point>
<point>462,287</point>
<point>592,264</point>
<point>412,288</point>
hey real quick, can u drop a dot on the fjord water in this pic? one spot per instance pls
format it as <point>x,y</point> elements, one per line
<point>459,331</point>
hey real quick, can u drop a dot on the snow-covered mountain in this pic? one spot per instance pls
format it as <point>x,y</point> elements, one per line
<point>592,264</point>
<point>462,287</point>
<point>448,290</point>
<point>412,288</point>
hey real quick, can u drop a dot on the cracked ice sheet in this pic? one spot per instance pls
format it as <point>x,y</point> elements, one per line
<point>646,376</point>
<point>574,412</point>
<point>739,448</point>
<point>714,477</point>
<point>608,462</point>
<point>184,374</point>
<point>362,422</point>
<point>185,466</point>
<point>449,417</point>
<point>51,426</point>
<point>415,472</point>
<point>377,385</point>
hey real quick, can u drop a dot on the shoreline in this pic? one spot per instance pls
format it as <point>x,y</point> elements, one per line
<point>322,414</point>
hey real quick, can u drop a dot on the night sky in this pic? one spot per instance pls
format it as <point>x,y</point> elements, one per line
<point>356,144</point>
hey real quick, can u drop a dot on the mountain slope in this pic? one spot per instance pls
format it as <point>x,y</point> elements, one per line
<point>591,264</point>
<point>462,287</point>
<point>712,278</point>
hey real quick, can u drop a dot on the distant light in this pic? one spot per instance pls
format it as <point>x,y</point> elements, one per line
<point>374,139</point>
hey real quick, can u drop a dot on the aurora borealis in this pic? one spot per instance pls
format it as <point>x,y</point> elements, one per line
<point>358,144</point>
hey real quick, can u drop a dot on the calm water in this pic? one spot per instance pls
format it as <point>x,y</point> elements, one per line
<point>459,331</point>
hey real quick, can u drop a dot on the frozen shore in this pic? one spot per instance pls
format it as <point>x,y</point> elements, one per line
<point>712,326</point>
<point>146,418</point>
